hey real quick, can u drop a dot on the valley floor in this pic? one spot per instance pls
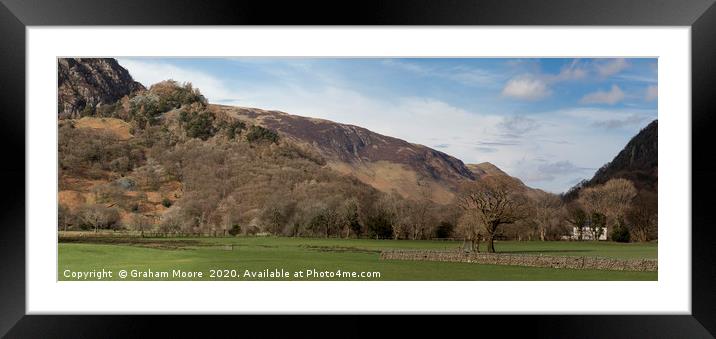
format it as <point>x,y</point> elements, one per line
<point>257,258</point>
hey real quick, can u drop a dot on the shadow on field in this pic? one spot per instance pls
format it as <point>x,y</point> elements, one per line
<point>169,244</point>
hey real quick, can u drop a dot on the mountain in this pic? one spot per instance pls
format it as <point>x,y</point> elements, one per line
<point>386,163</point>
<point>638,162</point>
<point>85,83</point>
<point>383,162</point>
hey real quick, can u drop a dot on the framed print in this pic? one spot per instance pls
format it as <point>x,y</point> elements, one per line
<point>400,163</point>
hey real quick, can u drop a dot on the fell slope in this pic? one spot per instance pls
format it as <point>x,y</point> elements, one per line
<point>384,162</point>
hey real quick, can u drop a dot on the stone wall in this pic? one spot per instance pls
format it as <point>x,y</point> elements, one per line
<point>587,263</point>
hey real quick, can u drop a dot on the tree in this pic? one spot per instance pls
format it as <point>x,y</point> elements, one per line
<point>235,229</point>
<point>98,216</point>
<point>546,211</point>
<point>492,201</point>
<point>643,216</point>
<point>64,216</point>
<point>349,217</point>
<point>140,223</point>
<point>444,229</point>
<point>171,221</point>
<point>620,233</point>
<point>611,200</point>
<point>469,228</point>
<point>576,216</point>
<point>420,211</point>
<point>399,212</point>
<point>598,223</point>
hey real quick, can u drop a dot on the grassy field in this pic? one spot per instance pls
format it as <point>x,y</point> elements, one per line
<point>257,254</point>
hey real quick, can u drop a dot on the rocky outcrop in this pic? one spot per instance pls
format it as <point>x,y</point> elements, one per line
<point>85,83</point>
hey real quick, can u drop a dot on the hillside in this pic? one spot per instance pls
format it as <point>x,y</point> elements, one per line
<point>383,162</point>
<point>637,162</point>
<point>163,157</point>
<point>85,83</point>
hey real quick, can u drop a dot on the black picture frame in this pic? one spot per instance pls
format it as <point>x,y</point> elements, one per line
<point>15,15</point>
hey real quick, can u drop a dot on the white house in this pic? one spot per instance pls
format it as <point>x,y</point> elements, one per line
<point>587,233</point>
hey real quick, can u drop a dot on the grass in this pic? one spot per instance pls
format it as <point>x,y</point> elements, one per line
<point>257,254</point>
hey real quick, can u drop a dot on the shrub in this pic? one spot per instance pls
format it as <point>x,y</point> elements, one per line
<point>166,202</point>
<point>144,109</point>
<point>235,229</point>
<point>120,165</point>
<point>379,226</point>
<point>620,233</point>
<point>198,124</point>
<point>234,128</point>
<point>258,133</point>
<point>444,230</point>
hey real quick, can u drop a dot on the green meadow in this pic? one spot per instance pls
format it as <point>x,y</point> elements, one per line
<point>273,258</point>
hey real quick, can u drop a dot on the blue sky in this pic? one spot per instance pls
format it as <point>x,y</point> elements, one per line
<point>550,122</point>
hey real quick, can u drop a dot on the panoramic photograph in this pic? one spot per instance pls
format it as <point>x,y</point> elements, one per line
<point>357,169</point>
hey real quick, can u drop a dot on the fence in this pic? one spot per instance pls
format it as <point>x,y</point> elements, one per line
<point>586,263</point>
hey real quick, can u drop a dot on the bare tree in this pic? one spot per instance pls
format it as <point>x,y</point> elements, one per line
<point>611,199</point>
<point>469,228</point>
<point>421,208</point>
<point>398,211</point>
<point>171,221</point>
<point>64,216</point>
<point>546,211</point>
<point>349,216</point>
<point>98,216</point>
<point>493,201</point>
<point>643,215</point>
<point>140,222</point>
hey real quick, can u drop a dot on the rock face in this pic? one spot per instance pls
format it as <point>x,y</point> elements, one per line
<point>384,162</point>
<point>83,84</point>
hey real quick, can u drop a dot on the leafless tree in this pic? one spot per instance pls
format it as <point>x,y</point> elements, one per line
<point>469,228</point>
<point>99,216</point>
<point>611,199</point>
<point>643,215</point>
<point>546,211</point>
<point>140,222</point>
<point>493,201</point>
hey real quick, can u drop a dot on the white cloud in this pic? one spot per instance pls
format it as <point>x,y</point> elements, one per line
<point>573,71</point>
<point>652,93</point>
<point>526,88</point>
<point>611,97</point>
<point>610,67</point>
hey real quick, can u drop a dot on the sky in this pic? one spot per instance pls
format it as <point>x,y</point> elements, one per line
<point>550,122</point>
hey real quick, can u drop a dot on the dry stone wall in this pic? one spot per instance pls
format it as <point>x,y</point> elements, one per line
<point>587,263</point>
